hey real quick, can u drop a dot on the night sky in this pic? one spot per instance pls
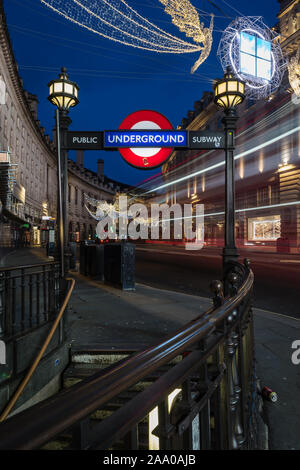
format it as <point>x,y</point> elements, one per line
<point>116,80</point>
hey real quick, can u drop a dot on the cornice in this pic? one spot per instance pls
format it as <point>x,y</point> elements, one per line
<point>287,8</point>
<point>16,81</point>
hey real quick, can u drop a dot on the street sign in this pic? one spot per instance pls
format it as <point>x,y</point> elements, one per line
<point>146,157</point>
<point>84,140</point>
<point>145,139</point>
<point>206,140</point>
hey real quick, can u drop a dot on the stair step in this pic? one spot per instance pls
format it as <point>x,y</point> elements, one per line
<point>88,360</point>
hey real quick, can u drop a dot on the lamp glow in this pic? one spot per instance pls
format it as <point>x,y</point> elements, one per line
<point>63,93</point>
<point>229,91</point>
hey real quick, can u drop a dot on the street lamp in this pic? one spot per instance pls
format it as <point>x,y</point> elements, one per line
<point>229,93</point>
<point>63,93</point>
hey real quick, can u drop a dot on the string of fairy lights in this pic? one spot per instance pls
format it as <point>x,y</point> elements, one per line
<point>119,22</point>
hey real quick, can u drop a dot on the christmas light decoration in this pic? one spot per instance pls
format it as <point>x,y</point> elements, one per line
<point>294,72</point>
<point>117,21</point>
<point>249,47</point>
<point>105,209</point>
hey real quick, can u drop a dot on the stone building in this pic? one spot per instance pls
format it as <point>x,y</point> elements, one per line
<point>95,185</point>
<point>28,170</point>
<point>267,162</point>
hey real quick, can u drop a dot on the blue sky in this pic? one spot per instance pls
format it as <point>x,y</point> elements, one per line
<point>116,80</point>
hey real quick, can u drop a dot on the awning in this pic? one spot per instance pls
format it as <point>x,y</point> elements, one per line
<point>15,218</point>
<point>7,176</point>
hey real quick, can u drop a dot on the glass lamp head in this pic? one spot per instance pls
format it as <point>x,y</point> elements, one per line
<point>229,91</point>
<point>63,93</point>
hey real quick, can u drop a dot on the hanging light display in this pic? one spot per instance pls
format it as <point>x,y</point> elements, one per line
<point>294,72</point>
<point>117,21</point>
<point>248,46</point>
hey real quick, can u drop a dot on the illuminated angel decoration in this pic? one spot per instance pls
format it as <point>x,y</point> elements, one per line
<point>117,21</point>
<point>186,18</point>
<point>102,208</point>
<point>113,212</point>
<point>294,72</point>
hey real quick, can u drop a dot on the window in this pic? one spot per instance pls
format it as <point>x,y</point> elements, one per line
<point>255,56</point>
<point>264,229</point>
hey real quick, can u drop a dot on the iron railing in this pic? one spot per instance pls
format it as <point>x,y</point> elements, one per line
<point>206,369</point>
<point>29,297</point>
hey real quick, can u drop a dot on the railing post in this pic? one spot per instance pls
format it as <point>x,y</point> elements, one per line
<point>30,299</point>
<point>80,435</point>
<point>13,307</point>
<point>2,312</point>
<point>22,298</point>
<point>45,293</point>
<point>188,435</point>
<point>55,288</point>
<point>37,278</point>
<point>131,440</point>
<point>164,425</point>
<point>7,304</point>
<point>218,293</point>
<point>236,438</point>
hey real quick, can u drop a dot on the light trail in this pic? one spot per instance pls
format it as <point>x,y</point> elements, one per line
<point>247,209</point>
<point>267,121</point>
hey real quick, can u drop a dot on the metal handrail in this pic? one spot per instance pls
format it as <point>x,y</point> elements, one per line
<point>51,417</point>
<point>37,360</point>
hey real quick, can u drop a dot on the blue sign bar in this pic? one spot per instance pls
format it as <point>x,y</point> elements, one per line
<point>141,138</point>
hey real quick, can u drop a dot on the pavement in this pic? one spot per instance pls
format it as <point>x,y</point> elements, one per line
<point>102,314</point>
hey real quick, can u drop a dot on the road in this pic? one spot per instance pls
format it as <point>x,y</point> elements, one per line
<point>277,276</point>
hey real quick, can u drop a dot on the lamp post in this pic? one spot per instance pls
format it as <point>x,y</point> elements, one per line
<point>63,93</point>
<point>229,93</point>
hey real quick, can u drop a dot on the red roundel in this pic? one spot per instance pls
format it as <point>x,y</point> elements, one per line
<point>146,158</point>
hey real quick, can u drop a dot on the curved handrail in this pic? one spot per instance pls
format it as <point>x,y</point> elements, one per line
<point>26,266</point>
<point>36,362</point>
<point>78,402</point>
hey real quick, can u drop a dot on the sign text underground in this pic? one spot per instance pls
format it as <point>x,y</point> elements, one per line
<point>109,140</point>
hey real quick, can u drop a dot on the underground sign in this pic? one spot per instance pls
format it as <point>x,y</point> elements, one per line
<point>146,157</point>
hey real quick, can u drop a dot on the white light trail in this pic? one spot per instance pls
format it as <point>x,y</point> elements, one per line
<point>247,209</point>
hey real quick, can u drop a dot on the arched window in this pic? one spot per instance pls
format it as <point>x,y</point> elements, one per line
<point>70,232</point>
<point>91,232</point>
<point>83,231</point>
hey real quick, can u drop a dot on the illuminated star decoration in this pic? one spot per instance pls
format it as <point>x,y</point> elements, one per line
<point>245,57</point>
<point>117,21</point>
<point>294,72</point>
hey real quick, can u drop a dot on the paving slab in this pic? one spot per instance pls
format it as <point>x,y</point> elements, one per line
<point>102,313</point>
<point>274,335</point>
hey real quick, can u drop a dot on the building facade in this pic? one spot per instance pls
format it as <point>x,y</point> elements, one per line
<point>267,159</point>
<point>28,167</point>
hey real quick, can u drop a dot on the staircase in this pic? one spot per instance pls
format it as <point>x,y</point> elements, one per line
<point>87,361</point>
